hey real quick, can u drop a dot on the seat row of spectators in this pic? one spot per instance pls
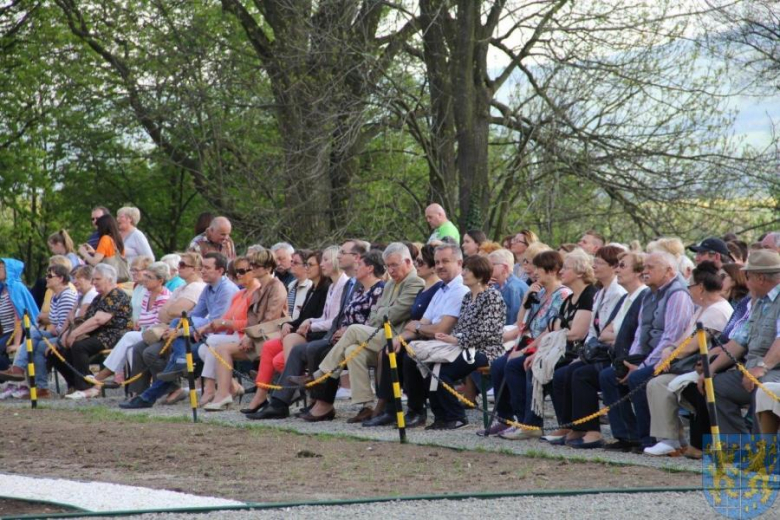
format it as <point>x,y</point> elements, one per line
<point>576,323</point>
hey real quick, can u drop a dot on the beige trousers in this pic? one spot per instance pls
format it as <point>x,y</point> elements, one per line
<point>359,378</point>
<point>664,421</point>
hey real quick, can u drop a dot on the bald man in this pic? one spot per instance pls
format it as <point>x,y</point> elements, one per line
<point>216,239</point>
<point>442,227</point>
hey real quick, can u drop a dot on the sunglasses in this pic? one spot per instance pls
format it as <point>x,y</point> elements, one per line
<point>182,265</point>
<point>420,262</point>
<point>242,272</point>
<point>49,275</point>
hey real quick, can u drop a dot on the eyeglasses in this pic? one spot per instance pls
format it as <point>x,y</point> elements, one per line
<point>692,285</point>
<point>242,272</point>
<point>182,265</point>
<point>49,275</point>
<point>295,262</point>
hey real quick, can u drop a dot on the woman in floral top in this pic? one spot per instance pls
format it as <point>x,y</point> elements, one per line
<point>105,322</point>
<point>478,332</point>
<point>369,272</point>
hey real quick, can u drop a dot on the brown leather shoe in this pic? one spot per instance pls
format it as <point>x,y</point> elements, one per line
<point>365,413</point>
<point>12,374</point>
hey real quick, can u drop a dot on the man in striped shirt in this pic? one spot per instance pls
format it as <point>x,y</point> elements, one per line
<point>62,302</point>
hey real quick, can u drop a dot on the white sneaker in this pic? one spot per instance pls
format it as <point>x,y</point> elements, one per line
<point>518,434</point>
<point>662,449</point>
<point>491,397</point>
<point>21,392</point>
<point>343,393</point>
<point>8,391</point>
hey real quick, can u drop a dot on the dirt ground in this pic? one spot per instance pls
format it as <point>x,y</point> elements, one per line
<point>261,465</point>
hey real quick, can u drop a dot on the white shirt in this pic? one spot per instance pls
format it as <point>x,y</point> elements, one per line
<point>621,315</point>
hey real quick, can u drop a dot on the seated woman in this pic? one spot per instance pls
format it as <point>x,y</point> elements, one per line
<point>15,299</point>
<point>540,307</point>
<point>575,316</point>
<point>62,303</point>
<point>272,356</point>
<point>472,239</point>
<point>110,243</point>
<point>105,322</point>
<point>137,269</point>
<point>478,333</point>
<point>301,284</point>
<point>714,312</point>
<point>175,281</point>
<point>230,328</point>
<point>268,303</point>
<point>768,409</point>
<point>155,295</point>
<point>566,396</point>
<point>60,243</point>
<point>734,284</point>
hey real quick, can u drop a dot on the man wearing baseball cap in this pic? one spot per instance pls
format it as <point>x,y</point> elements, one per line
<point>714,250</point>
<point>757,340</point>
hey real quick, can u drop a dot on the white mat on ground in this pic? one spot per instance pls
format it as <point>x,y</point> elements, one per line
<point>101,496</point>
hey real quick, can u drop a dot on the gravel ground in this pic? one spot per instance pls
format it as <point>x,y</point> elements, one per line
<point>661,506</point>
<point>101,496</point>
<point>464,438</point>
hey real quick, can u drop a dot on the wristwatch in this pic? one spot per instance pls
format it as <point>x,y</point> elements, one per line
<point>417,328</point>
<point>222,323</point>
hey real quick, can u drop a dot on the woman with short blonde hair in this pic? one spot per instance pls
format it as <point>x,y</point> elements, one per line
<point>135,241</point>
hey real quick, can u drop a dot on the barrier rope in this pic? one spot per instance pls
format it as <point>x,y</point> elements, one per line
<point>662,367</point>
<point>745,372</point>
<point>324,377</point>
<point>51,348</point>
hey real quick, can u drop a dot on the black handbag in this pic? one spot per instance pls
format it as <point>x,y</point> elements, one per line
<point>594,351</point>
<point>621,370</point>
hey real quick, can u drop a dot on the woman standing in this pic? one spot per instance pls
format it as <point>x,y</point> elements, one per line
<point>135,241</point>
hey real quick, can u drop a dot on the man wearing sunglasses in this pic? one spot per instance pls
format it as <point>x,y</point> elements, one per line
<point>94,238</point>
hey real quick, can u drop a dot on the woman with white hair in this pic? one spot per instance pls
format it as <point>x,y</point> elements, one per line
<point>155,295</point>
<point>135,242</point>
<point>174,281</point>
<point>105,322</point>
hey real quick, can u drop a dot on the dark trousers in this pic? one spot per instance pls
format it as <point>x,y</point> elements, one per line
<point>146,357</point>
<point>315,353</point>
<point>301,356</point>
<point>384,385</point>
<point>444,405</point>
<point>700,419</point>
<point>641,406</point>
<point>5,361</point>
<point>415,386</point>
<point>584,395</point>
<point>621,418</point>
<point>78,356</point>
<point>561,394</point>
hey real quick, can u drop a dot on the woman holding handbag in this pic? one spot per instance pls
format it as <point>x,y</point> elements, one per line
<point>268,305</point>
<point>272,355</point>
<point>110,249</point>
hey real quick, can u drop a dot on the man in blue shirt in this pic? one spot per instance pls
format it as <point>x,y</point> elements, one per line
<point>510,286</point>
<point>214,301</point>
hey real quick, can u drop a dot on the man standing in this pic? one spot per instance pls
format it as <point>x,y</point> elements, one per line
<point>283,254</point>
<point>94,238</point>
<point>441,226</point>
<point>216,239</point>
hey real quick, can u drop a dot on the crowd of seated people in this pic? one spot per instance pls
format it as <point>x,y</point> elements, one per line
<point>585,324</point>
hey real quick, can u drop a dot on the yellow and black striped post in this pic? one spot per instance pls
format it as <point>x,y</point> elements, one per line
<point>399,407</point>
<point>30,361</point>
<point>190,366</point>
<point>709,392</point>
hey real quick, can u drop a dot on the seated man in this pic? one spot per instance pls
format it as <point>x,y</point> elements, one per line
<point>758,340</point>
<point>395,303</point>
<point>212,304</point>
<point>664,315</point>
<point>512,289</point>
<point>440,318</point>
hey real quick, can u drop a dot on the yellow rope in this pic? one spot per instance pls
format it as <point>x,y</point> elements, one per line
<point>95,382</point>
<point>756,382</point>
<point>310,384</point>
<point>676,352</point>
